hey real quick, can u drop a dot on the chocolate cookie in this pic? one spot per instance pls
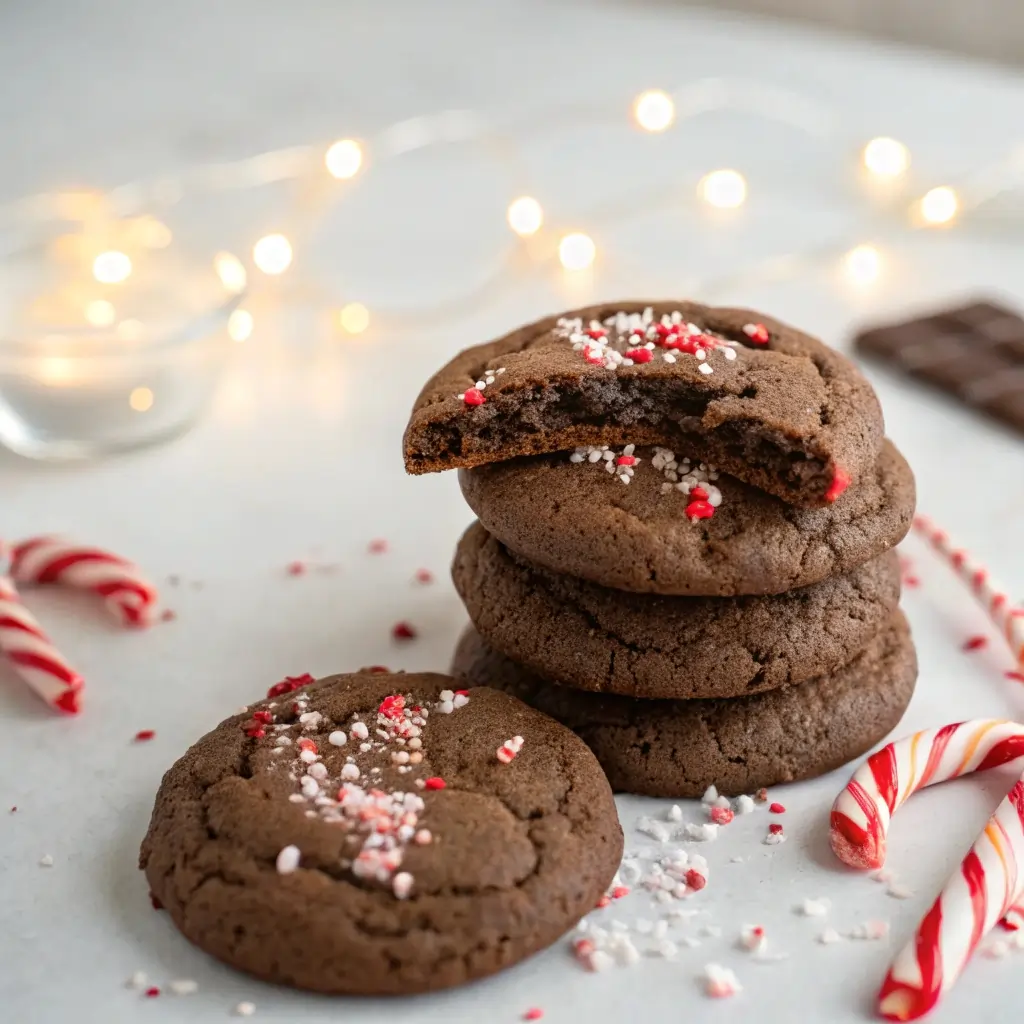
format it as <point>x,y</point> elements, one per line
<point>622,521</point>
<point>591,638</point>
<point>380,834</point>
<point>677,748</point>
<point>770,405</point>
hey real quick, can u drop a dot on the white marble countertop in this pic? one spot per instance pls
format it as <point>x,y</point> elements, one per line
<point>300,459</point>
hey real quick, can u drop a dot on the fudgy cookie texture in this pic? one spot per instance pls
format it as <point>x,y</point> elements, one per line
<point>769,404</point>
<point>379,866</point>
<point>677,748</point>
<point>586,636</point>
<point>626,526</point>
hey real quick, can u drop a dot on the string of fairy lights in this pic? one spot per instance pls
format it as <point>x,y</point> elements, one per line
<point>882,160</point>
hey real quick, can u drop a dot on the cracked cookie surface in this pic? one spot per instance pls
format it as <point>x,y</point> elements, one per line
<point>362,835</point>
<point>677,749</point>
<point>578,519</point>
<point>640,645</point>
<point>768,404</point>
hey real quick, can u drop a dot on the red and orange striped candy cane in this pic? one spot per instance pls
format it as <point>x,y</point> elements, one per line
<point>862,812</point>
<point>120,583</point>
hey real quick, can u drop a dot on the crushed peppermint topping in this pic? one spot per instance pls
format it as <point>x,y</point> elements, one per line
<point>753,938</point>
<point>757,333</point>
<point>720,982</point>
<point>622,465</point>
<point>475,395</point>
<point>508,750</point>
<point>628,339</point>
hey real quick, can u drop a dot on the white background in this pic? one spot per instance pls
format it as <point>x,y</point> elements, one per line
<point>300,457</point>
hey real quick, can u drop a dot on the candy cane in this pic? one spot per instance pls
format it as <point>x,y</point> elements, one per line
<point>1008,618</point>
<point>53,560</point>
<point>861,813</point>
<point>33,655</point>
<point>980,894</point>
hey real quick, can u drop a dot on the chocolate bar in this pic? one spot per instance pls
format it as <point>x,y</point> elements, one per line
<point>973,352</point>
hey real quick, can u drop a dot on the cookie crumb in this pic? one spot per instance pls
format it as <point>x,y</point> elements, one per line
<point>144,735</point>
<point>761,796</point>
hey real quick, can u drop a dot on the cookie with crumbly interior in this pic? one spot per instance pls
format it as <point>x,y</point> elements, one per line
<point>765,402</point>
<point>678,748</point>
<point>650,521</point>
<point>642,645</point>
<point>380,834</point>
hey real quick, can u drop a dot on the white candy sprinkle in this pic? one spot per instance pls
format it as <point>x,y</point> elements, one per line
<point>899,892</point>
<point>350,772</point>
<point>310,787</point>
<point>774,839</point>
<point>705,368</point>
<point>655,829</point>
<point>870,931</point>
<point>46,861</point>
<point>700,833</point>
<point>288,860</point>
<point>722,802</point>
<point>359,730</point>
<point>446,695</point>
<point>744,805</point>
<point>720,982</point>
<point>710,795</point>
<point>815,908</point>
<point>401,885</point>
<point>245,1009</point>
<point>311,719</point>
<point>461,700</point>
<point>297,798</point>
<point>318,771</point>
<point>337,738</point>
<point>446,707</point>
<point>753,938</point>
<point>307,756</point>
<point>183,987</point>
<point>829,936</point>
<point>138,980</point>
<point>674,813</point>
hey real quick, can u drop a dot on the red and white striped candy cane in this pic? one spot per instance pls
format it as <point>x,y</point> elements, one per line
<point>988,885</point>
<point>33,656</point>
<point>861,813</point>
<point>120,583</point>
<point>1008,618</point>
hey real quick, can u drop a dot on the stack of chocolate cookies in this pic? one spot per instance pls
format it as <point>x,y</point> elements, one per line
<point>683,547</point>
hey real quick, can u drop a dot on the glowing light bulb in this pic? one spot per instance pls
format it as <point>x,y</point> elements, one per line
<point>725,189</point>
<point>576,251</point>
<point>654,110</point>
<point>344,158</point>
<point>886,158</point>
<point>863,264</point>
<point>272,254</point>
<point>354,318</point>
<point>100,313</point>
<point>111,267</point>
<point>230,271</point>
<point>240,325</point>
<point>141,399</point>
<point>940,205</point>
<point>525,216</point>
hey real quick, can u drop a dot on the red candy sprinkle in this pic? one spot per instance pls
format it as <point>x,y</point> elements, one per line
<point>722,815</point>
<point>306,744</point>
<point>700,510</point>
<point>144,734</point>
<point>596,332</point>
<point>593,355</point>
<point>757,333</point>
<point>152,993</point>
<point>462,693</point>
<point>639,355</point>
<point>603,902</point>
<point>625,460</point>
<point>619,891</point>
<point>474,396</point>
<point>695,880</point>
<point>840,482</point>
<point>403,631</point>
<point>777,809</point>
<point>434,782</point>
<point>168,615</point>
<point>775,828</point>
<point>699,494</point>
<point>378,546</point>
<point>263,716</point>
<point>256,732</point>
<point>534,1013</point>
<point>378,668</point>
<point>424,576</point>
<point>69,702</point>
<point>1016,676</point>
<point>290,683</point>
<point>392,707</point>
<point>975,643</point>
<point>296,568</point>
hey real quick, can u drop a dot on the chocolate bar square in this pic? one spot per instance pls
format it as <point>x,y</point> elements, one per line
<point>973,352</point>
